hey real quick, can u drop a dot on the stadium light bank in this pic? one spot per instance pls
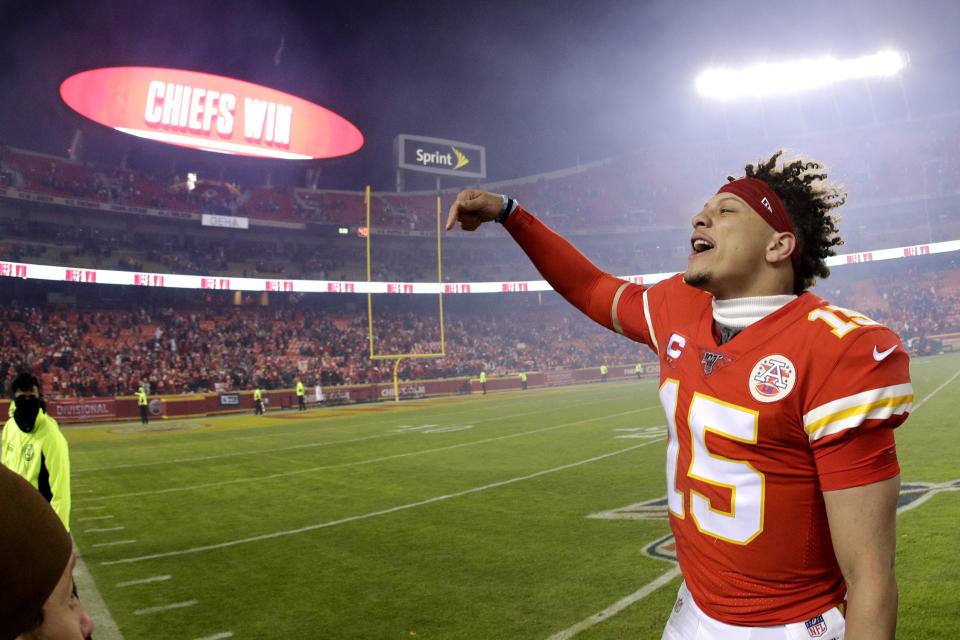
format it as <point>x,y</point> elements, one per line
<point>768,79</point>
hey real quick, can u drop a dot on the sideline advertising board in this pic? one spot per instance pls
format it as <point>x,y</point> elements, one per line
<point>79,409</point>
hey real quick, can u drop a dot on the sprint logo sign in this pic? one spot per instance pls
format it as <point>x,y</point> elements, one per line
<point>426,158</point>
<point>439,156</point>
<point>461,159</point>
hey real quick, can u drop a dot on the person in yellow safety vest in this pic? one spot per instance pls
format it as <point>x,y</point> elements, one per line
<point>301,404</point>
<point>34,448</point>
<point>639,369</point>
<point>142,401</point>
<point>523,381</point>
<point>483,381</point>
<point>257,402</point>
<point>603,373</point>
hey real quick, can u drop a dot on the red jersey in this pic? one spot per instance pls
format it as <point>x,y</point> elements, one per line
<point>800,402</point>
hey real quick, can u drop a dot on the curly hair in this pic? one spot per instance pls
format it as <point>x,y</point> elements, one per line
<point>802,186</point>
<point>25,381</point>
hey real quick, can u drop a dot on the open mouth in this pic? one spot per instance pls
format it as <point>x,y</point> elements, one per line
<point>700,245</point>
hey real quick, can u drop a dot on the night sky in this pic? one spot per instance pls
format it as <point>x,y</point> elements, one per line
<point>543,85</point>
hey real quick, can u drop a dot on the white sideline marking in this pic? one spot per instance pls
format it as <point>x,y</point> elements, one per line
<point>421,452</point>
<point>618,606</point>
<point>93,518</point>
<point>382,512</point>
<point>166,607</point>
<point>101,530</point>
<point>90,597</point>
<point>218,636</point>
<point>112,544</point>
<point>935,391</point>
<point>130,583</point>
<point>91,507</point>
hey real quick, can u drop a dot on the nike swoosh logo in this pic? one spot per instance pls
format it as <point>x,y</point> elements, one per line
<point>880,355</point>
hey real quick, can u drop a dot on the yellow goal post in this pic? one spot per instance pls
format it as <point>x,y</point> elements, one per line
<point>400,356</point>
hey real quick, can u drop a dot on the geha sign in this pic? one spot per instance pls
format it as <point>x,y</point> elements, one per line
<point>208,112</point>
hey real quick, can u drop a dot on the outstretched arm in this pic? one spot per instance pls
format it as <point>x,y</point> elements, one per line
<point>568,271</point>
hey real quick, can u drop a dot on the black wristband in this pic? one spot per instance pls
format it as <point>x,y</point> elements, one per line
<point>505,212</point>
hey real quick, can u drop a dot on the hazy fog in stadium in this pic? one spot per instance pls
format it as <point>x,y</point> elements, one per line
<point>544,85</point>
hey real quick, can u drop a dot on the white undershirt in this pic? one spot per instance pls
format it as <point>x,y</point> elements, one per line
<point>734,315</point>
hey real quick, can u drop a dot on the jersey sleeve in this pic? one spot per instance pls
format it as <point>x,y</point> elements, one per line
<point>610,301</point>
<point>850,419</point>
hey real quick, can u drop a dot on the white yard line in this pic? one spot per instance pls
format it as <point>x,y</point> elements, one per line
<point>102,530</point>
<point>332,523</point>
<point>618,606</point>
<point>130,583</point>
<point>113,544</point>
<point>286,474</point>
<point>935,391</point>
<point>218,636</point>
<point>166,607</point>
<point>88,518</point>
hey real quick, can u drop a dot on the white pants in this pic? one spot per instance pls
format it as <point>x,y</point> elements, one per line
<point>689,622</point>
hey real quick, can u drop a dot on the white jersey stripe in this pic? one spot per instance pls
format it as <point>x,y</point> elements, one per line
<point>614,317</point>
<point>852,421</point>
<point>849,412</point>
<point>646,316</point>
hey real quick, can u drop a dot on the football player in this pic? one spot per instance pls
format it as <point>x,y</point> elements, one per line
<point>782,474</point>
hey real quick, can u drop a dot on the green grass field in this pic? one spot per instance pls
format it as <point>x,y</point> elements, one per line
<point>455,518</point>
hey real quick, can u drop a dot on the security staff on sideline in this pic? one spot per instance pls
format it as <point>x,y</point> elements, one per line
<point>523,381</point>
<point>301,405</point>
<point>639,369</point>
<point>257,402</point>
<point>142,401</point>
<point>483,381</point>
<point>603,373</point>
<point>35,449</point>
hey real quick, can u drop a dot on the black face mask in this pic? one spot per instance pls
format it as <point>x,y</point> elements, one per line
<point>26,412</point>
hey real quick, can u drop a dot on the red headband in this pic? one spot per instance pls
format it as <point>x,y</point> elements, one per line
<point>766,203</point>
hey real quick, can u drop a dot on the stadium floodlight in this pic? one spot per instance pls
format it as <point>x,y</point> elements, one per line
<point>764,80</point>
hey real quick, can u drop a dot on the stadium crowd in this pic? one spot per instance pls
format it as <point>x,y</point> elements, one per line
<point>218,346</point>
<point>112,352</point>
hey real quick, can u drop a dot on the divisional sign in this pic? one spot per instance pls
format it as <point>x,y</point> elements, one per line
<point>208,112</point>
<point>440,157</point>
